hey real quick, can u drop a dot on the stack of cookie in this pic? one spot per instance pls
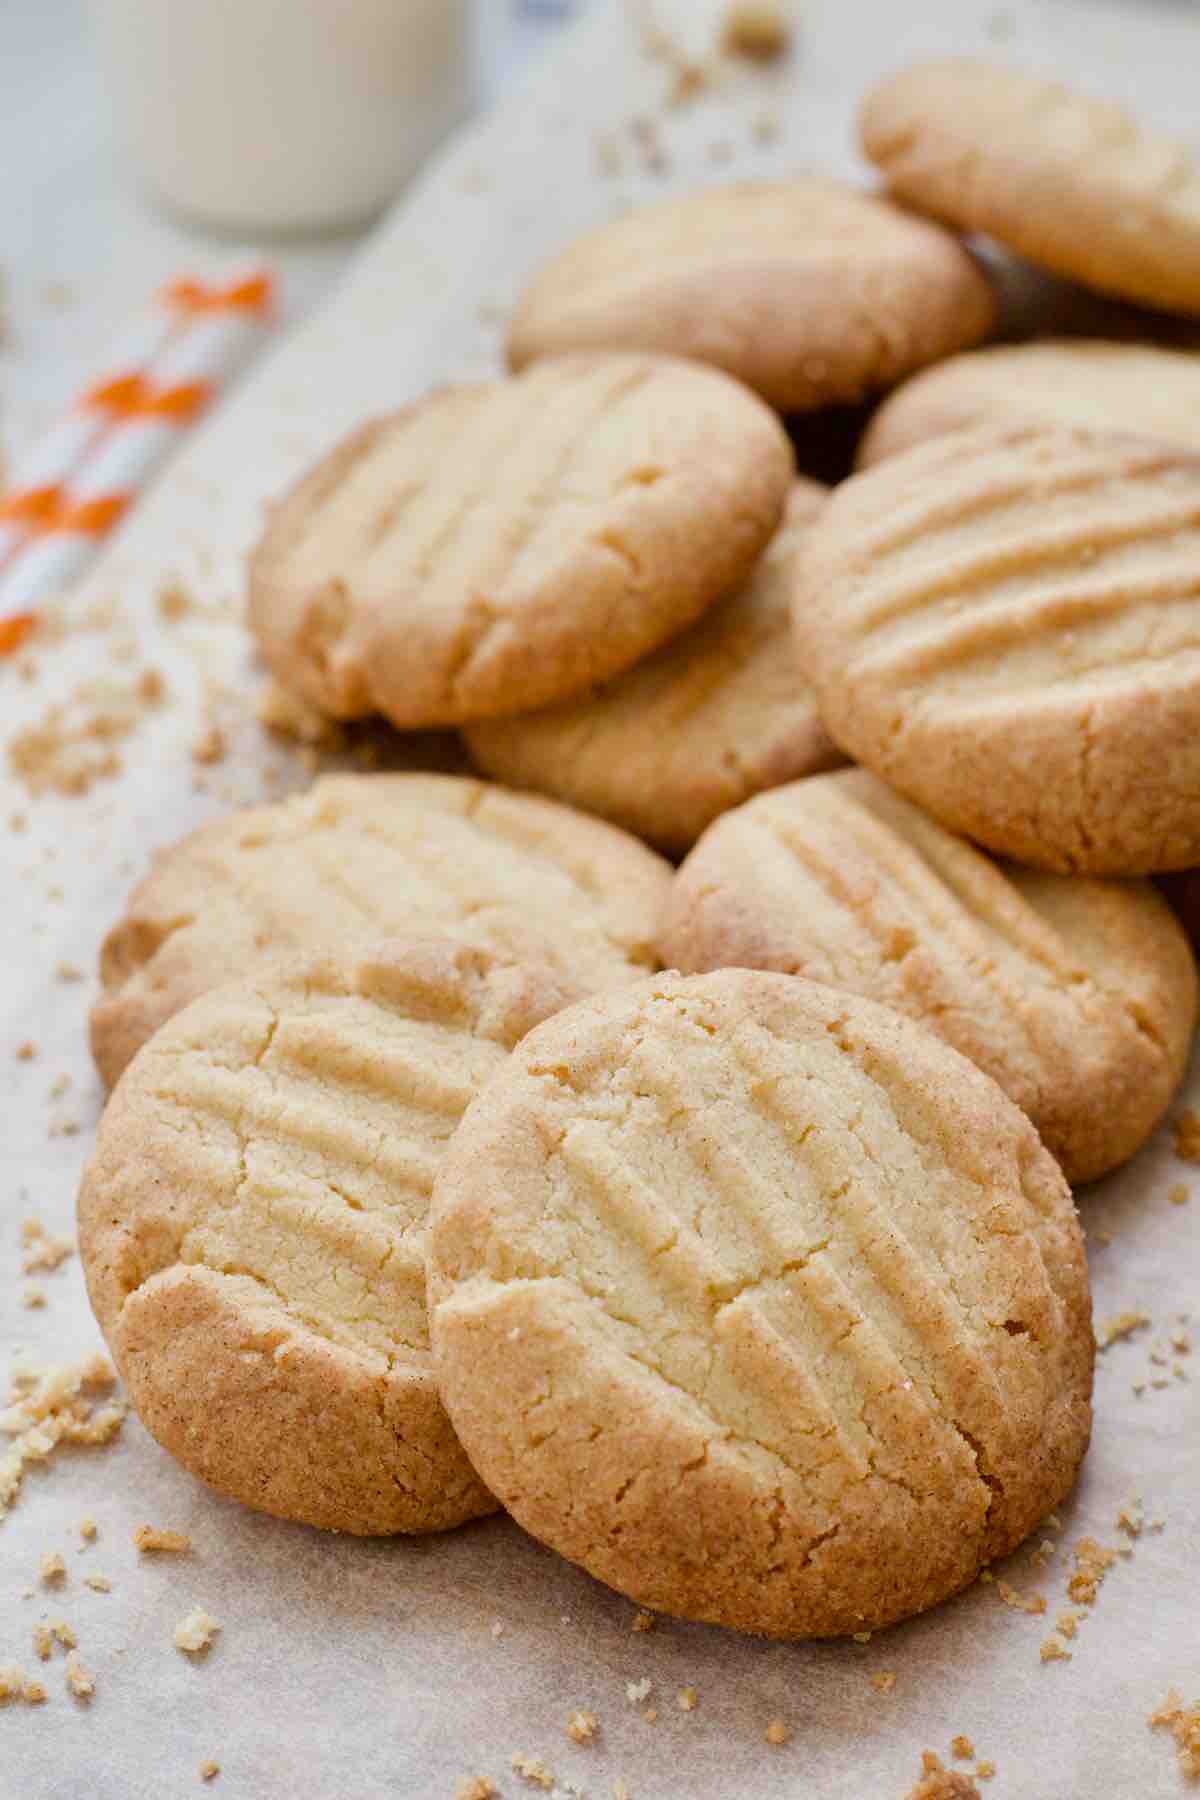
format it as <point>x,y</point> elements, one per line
<point>757,1288</point>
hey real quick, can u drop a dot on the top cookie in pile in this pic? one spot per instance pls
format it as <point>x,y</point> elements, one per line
<point>757,1289</point>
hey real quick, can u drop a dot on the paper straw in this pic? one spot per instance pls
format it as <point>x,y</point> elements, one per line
<point>145,415</point>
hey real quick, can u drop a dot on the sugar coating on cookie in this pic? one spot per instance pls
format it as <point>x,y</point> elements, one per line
<point>718,713</point>
<point>809,291</point>
<point>252,1225</point>
<point>1119,387</point>
<point>375,853</point>
<point>1077,996</point>
<point>761,1303</point>
<point>1071,182</point>
<point>1005,624</point>
<point>497,547</point>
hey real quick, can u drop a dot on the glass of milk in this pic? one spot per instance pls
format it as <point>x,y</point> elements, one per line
<point>283,115</point>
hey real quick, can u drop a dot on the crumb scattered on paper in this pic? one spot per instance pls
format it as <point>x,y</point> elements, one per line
<point>778,1732</point>
<point>152,1539</point>
<point>196,1631</point>
<point>73,744</point>
<point>937,1782</point>
<point>532,1770</point>
<point>758,29</point>
<point>1183,1722</point>
<point>1121,1325</point>
<point>49,1407</point>
<point>581,1727</point>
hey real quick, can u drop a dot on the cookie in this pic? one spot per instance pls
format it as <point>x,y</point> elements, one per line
<point>1120,387</point>
<point>761,1303</point>
<point>716,715</point>
<point>808,290</point>
<point>1005,624</point>
<point>377,854</point>
<point>1078,997</point>
<point>1072,183</point>
<point>253,1222</point>
<point>499,547</point>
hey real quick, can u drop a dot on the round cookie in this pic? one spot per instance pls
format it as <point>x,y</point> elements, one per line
<point>1070,182</point>
<point>377,854</point>
<point>711,718</point>
<point>809,291</point>
<point>1005,624</point>
<point>1119,387</point>
<point>499,547</point>
<point>253,1223</point>
<point>761,1303</point>
<point>1077,997</point>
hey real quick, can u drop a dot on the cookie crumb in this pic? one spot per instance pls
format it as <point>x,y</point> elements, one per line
<point>861,1637</point>
<point>477,1787</point>
<point>1067,1623</point>
<point>620,1791</point>
<point>962,1748</point>
<point>1183,1722</point>
<point>884,1681</point>
<point>1028,1603</point>
<point>42,1250</point>
<point>52,1569</point>
<point>1132,1517</point>
<point>757,29</point>
<point>72,745</point>
<point>209,1770</point>
<point>686,1699</point>
<point>209,745</point>
<point>42,1642</point>
<point>195,1632</point>
<point>1178,1194</point>
<point>1092,1563</point>
<point>937,1782</point>
<point>99,1584</point>
<point>532,1770</point>
<point>12,1681</point>
<point>63,1633</point>
<point>26,1051</point>
<point>34,1693</point>
<point>985,1769</point>
<point>1187,1136</point>
<point>80,1681</point>
<point>1122,1325</point>
<point>777,1732</point>
<point>581,1727</point>
<point>89,1531</point>
<point>643,1621</point>
<point>1053,1651</point>
<point>33,1295</point>
<point>637,1691</point>
<point>150,1539</point>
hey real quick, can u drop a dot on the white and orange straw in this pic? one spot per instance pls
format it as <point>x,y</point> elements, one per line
<point>77,485</point>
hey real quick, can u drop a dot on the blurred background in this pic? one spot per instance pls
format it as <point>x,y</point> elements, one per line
<point>117,177</point>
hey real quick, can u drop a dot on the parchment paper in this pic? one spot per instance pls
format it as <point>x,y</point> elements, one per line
<point>397,1668</point>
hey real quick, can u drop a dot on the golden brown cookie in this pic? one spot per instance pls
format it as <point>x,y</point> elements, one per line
<point>1071,182</point>
<point>253,1222</point>
<point>1005,624</point>
<point>713,717</point>
<point>761,1303</point>
<point>1067,381</point>
<point>499,547</point>
<point>1077,997</point>
<point>377,854</point>
<point>809,291</point>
